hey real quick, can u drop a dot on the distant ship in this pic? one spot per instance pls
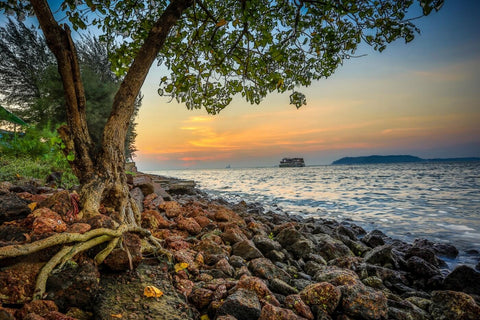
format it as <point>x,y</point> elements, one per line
<point>292,162</point>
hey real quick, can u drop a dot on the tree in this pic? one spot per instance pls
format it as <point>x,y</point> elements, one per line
<point>31,82</point>
<point>213,50</point>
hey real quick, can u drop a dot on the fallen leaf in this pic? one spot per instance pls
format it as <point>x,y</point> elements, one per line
<point>116,315</point>
<point>32,205</point>
<point>205,317</point>
<point>151,291</point>
<point>180,266</point>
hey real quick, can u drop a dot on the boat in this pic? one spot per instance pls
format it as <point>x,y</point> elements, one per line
<point>291,162</point>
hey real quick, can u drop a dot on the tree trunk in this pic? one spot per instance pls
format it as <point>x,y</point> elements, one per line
<point>102,176</point>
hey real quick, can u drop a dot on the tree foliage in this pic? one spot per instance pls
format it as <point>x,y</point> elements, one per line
<point>30,81</point>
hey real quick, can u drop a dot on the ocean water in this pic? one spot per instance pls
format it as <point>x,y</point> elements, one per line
<point>436,201</point>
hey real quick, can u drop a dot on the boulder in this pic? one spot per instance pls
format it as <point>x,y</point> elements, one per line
<point>120,260</point>
<point>264,268</point>
<point>172,209</point>
<point>13,207</point>
<point>359,301</point>
<point>447,305</point>
<point>323,294</point>
<point>265,244</point>
<point>420,268</point>
<point>152,219</point>
<point>46,222</point>
<point>281,287</point>
<point>259,287</point>
<point>188,224</point>
<point>330,248</point>
<point>242,304</point>
<point>384,256</point>
<point>200,297</point>
<point>295,303</point>
<point>145,183</point>
<point>463,278</point>
<point>337,276</point>
<point>270,312</point>
<point>62,203</point>
<point>374,238</point>
<point>247,250</point>
<point>233,235</point>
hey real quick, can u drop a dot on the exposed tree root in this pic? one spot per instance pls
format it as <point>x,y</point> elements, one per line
<point>76,243</point>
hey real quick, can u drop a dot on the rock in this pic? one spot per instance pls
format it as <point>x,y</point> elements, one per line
<point>79,228</point>
<point>359,301</point>
<point>374,282</point>
<point>448,305</point>
<point>46,222</point>
<point>242,304</point>
<point>288,236</point>
<point>152,201</point>
<point>463,278</point>
<point>384,256</point>
<point>337,276</point>
<point>74,286</point>
<point>17,282</point>
<point>264,268</point>
<point>6,314</point>
<point>13,207</point>
<point>265,244</point>
<point>162,194</point>
<point>172,209</point>
<point>330,248</point>
<point>121,294</point>
<point>322,294</point>
<point>120,260</point>
<point>152,219</point>
<point>247,250</point>
<point>189,225</point>
<point>426,254</point>
<point>13,232</point>
<point>61,203</point>
<point>445,250</point>
<point>233,235</point>
<point>295,303</point>
<point>259,287</point>
<point>38,307</point>
<point>209,247</point>
<point>374,238</point>
<point>301,248</point>
<point>200,297</point>
<point>421,268</point>
<point>270,312</point>
<point>102,221</point>
<point>281,287</point>
<point>144,183</point>
<point>225,267</point>
<point>276,255</point>
<point>138,197</point>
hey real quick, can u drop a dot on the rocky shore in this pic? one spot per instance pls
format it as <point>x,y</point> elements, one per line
<point>223,261</point>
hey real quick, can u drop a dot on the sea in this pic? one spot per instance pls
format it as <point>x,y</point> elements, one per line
<point>436,201</point>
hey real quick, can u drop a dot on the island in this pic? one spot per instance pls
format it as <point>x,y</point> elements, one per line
<point>377,159</point>
<point>291,162</point>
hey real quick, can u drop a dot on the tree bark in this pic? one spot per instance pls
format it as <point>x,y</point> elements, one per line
<point>102,177</point>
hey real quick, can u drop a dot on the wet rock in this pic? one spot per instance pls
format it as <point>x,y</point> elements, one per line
<point>13,207</point>
<point>264,268</point>
<point>463,278</point>
<point>259,287</point>
<point>420,268</point>
<point>17,282</point>
<point>322,294</point>
<point>281,287</point>
<point>74,285</point>
<point>265,244</point>
<point>295,303</point>
<point>189,225</point>
<point>448,305</point>
<point>38,307</point>
<point>384,256</point>
<point>359,301</point>
<point>120,260</point>
<point>446,250</point>
<point>152,219</point>
<point>233,235</point>
<point>357,247</point>
<point>426,254</point>
<point>374,238</point>
<point>243,305</point>
<point>246,249</point>
<point>270,312</point>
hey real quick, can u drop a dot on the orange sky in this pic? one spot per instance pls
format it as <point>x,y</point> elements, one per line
<point>421,99</point>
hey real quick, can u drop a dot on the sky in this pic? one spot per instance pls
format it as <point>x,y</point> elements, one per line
<point>421,98</point>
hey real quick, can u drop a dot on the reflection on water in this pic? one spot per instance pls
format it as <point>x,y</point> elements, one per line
<point>438,201</point>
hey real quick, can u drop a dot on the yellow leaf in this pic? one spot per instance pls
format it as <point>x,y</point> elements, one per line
<point>221,23</point>
<point>32,205</point>
<point>116,315</point>
<point>181,266</point>
<point>205,317</point>
<point>151,291</point>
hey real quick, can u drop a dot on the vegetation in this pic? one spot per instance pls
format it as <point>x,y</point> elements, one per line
<point>34,155</point>
<point>213,51</point>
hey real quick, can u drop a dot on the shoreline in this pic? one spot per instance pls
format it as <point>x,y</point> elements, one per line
<point>233,261</point>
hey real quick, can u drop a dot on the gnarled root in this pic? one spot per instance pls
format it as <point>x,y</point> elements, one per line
<point>75,243</point>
